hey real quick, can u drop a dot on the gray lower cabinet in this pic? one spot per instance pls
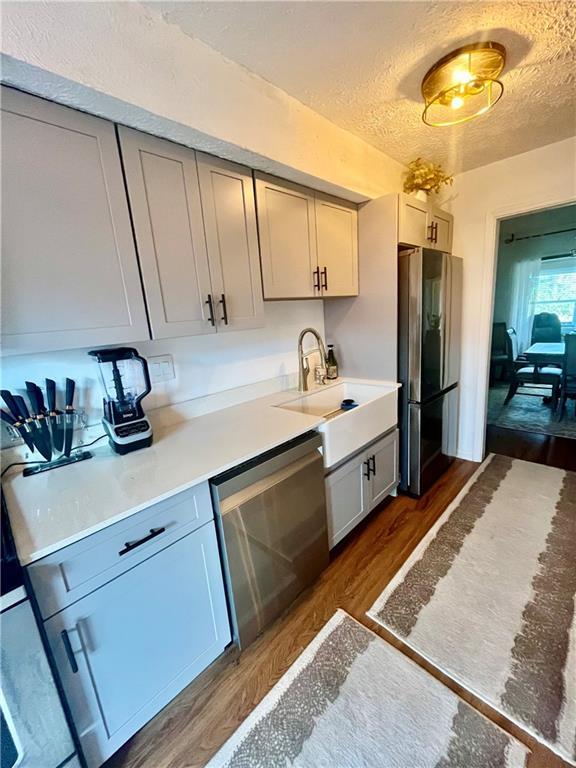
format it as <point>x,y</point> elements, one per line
<point>360,484</point>
<point>126,649</point>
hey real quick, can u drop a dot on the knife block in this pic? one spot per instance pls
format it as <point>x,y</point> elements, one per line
<point>45,466</point>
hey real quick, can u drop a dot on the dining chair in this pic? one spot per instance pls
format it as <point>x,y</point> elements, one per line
<point>499,357</point>
<point>547,328</point>
<point>523,373</point>
<point>568,379</point>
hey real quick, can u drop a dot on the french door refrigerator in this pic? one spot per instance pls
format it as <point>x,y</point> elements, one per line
<point>429,304</point>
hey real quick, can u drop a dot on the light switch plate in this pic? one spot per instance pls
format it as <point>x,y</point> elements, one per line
<point>161,368</point>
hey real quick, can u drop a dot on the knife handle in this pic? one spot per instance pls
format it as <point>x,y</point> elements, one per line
<point>12,403</point>
<point>70,386</point>
<point>22,407</point>
<point>51,394</point>
<point>31,387</point>
<point>32,390</point>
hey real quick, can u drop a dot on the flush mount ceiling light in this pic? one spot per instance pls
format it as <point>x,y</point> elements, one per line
<point>464,84</point>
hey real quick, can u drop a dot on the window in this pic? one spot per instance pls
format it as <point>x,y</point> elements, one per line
<point>555,290</point>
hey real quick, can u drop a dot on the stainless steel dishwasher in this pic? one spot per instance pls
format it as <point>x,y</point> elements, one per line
<point>271,513</point>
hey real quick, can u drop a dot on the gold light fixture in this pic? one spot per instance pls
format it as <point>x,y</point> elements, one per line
<point>464,84</point>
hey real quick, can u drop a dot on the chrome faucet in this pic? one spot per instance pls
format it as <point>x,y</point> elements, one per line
<point>303,364</point>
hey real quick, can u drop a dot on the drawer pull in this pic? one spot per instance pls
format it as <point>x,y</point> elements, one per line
<point>210,310</point>
<point>316,274</point>
<point>69,651</point>
<point>130,545</point>
<point>368,469</point>
<point>372,461</point>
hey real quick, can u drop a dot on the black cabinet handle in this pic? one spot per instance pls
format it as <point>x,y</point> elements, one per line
<point>130,545</point>
<point>224,310</point>
<point>430,237</point>
<point>367,473</point>
<point>69,651</point>
<point>316,274</point>
<point>211,310</point>
<point>372,461</point>
<point>325,276</point>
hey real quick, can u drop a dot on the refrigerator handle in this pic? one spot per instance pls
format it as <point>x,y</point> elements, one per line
<point>444,320</point>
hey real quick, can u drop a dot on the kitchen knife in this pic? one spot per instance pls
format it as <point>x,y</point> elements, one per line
<point>36,432</point>
<point>69,416</point>
<point>19,423</point>
<point>55,417</point>
<point>37,402</point>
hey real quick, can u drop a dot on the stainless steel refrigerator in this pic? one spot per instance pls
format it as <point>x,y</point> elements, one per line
<point>429,304</point>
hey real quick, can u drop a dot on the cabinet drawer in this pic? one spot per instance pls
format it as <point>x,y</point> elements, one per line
<point>69,574</point>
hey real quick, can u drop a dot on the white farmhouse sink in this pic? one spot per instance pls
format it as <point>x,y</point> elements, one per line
<point>345,432</point>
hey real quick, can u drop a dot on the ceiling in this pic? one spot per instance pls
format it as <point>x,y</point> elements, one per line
<point>360,64</point>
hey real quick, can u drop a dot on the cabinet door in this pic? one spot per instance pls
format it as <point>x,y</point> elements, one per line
<point>346,498</point>
<point>286,222</point>
<point>70,272</point>
<point>337,239</point>
<point>162,181</point>
<point>383,459</point>
<point>124,651</point>
<point>442,232</point>
<point>227,192</point>
<point>413,221</point>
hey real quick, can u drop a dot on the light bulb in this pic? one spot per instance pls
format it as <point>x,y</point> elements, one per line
<point>457,102</point>
<point>462,76</point>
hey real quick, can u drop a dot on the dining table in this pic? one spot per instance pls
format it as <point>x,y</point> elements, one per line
<point>544,353</point>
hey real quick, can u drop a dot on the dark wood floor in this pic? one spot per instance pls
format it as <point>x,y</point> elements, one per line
<point>188,732</point>
<point>532,446</point>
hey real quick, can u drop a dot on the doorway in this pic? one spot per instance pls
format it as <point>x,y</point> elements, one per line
<point>532,384</point>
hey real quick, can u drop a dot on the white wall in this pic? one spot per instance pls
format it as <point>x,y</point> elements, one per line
<point>203,364</point>
<point>123,61</point>
<point>538,179</point>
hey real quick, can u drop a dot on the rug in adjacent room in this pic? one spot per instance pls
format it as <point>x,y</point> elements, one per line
<point>351,700</point>
<point>488,596</point>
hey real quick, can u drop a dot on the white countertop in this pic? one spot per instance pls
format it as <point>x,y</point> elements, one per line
<point>50,510</point>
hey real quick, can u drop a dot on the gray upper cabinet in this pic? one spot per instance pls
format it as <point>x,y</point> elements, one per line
<point>164,193</point>
<point>287,226</point>
<point>337,243</point>
<point>420,223</point>
<point>195,223</point>
<point>308,242</point>
<point>70,272</point>
<point>229,212</point>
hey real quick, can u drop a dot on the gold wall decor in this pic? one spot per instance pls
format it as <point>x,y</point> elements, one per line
<point>425,175</point>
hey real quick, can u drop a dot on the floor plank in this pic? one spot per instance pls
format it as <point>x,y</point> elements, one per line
<point>189,730</point>
<point>532,446</point>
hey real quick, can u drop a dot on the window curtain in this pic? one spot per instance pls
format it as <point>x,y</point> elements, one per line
<point>524,284</point>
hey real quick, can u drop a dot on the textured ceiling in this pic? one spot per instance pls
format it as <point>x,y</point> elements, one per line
<point>361,64</point>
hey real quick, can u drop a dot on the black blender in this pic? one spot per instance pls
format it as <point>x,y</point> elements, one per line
<point>126,382</point>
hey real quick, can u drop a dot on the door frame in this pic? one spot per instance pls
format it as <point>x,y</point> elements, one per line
<point>490,257</point>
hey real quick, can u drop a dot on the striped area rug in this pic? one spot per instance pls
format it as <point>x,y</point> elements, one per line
<point>351,700</point>
<point>488,596</point>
